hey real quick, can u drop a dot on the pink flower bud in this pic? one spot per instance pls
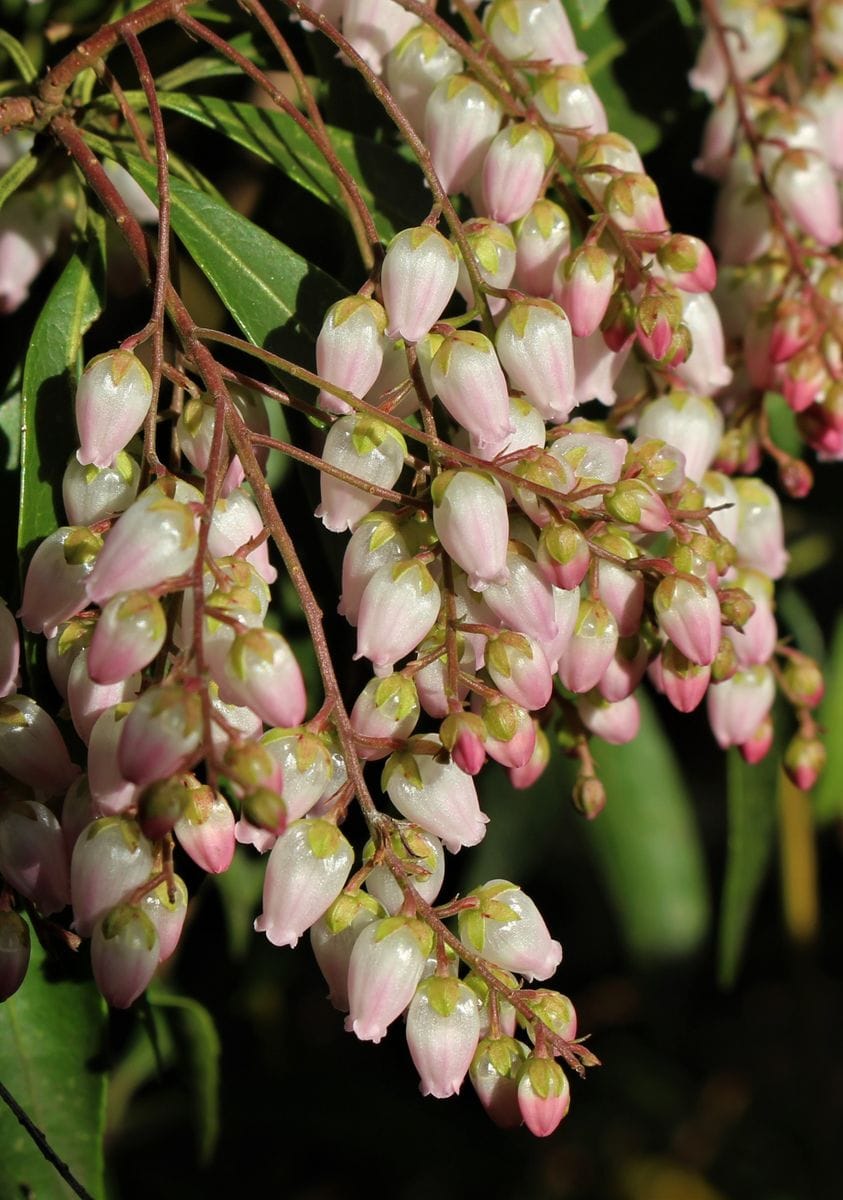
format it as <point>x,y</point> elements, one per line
<point>443,1029</point>
<point>110,792</point>
<point>28,238</point>
<point>260,672</point>
<point>760,534</point>
<point>682,681</point>
<point>425,859</point>
<point>87,700</point>
<point>31,748</point>
<point>493,247</point>
<point>375,543</point>
<point>33,857</point>
<point>461,119</point>
<point>112,400</point>
<point>625,671</point>
<point>544,1095</point>
<point>436,795</point>
<point>195,430</point>
<point>541,237</point>
<point>510,733</point>
<point>371,451</point>
<point>14,953</point>
<point>805,186</point>
<point>93,494</point>
<point>597,367</point>
<point>755,35</point>
<point>514,169</point>
<point>524,777</point>
<point>9,651</point>
<point>632,201</point>
<point>519,669</point>
<point>756,640</point>
<point>432,681</point>
<point>111,859</point>
<point>153,541</point>
<point>534,345</point>
<point>78,810</point>
<point>495,1070</point>
<point>471,521</point>
<point>57,578</point>
<point>306,871</point>
<point>128,635</point>
<point>688,612</point>
<point>508,929</point>
<point>616,723</point>
<point>387,708</point>
<point>688,263</point>
<point>235,521</point>
<point>463,735</point>
<point>563,554</point>
<point>349,349</point>
<point>824,100</point>
<point>525,603</point>
<point>704,370</point>
<point>583,284</point>
<point>691,423</point>
<point>567,101</point>
<point>533,30</point>
<point>397,610</point>
<point>414,67</point>
<point>124,954</point>
<point>374,27</point>
<point>333,936</point>
<point>591,648</point>
<point>592,457</point>
<point>737,706</point>
<point>205,831</point>
<point>621,588</point>
<point>384,971</point>
<point>161,735</point>
<point>167,915</point>
<point>418,277</point>
<point>306,766</point>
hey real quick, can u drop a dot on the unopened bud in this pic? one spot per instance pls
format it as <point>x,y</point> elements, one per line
<point>588,796</point>
<point>804,760</point>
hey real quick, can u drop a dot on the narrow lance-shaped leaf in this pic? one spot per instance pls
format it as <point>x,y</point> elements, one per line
<point>198,1048</point>
<point>828,795</point>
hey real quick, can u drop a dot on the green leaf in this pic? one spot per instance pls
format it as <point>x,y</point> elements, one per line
<point>23,63</point>
<point>590,10</point>
<point>16,175</point>
<point>751,801</point>
<point>50,371</point>
<point>647,845</point>
<point>796,613</point>
<point>51,1032</point>
<point>198,1046</point>
<point>828,794</point>
<point>392,188</point>
<point>276,297</point>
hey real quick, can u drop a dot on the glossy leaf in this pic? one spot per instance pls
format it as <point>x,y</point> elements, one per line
<point>828,794</point>
<point>276,297</point>
<point>51,1033</point>
<point>197,1047</point>
<point>50,371</point>
<point>751,803</point>
<point>647,845</point>
<point>391,187</point>
<point>16,175</point>
<point>24,65</point>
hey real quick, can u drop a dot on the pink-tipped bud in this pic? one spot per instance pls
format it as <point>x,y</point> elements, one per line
<point>616,723</point>
<point>626,669</point>
<point>541,237</point>
<point>414,67</point>
<point>398,609</point>
<point>525,603</point>
<point>306,767</point>
<point>305,873</point>
<point>384,971</point>
<point>374,27</point>
<point>514,169</point>
<point>9,651</point>
<point>349,349</point>
<point>333,936</point>
<point>519,669</point>
<point>109,790</point>
<point>14,953</point>
<point>569,103</point>
<point>33,857</point>
<point>205,830</point>
<point>31,748</point>
<point>533,31</point>
<point>508,929</point>
<point>161,735</point>
<point>154,540</point>
<point>111,859</point>
<point>128,635</point>
<point>591,648</point>
<point>688,263</point>
<point>636,504</point>
<point>760,744</point>
<point>704,370</point>
<point>633,203</point>
<point>57,578</point>
<point>87,700</point>
<point>510,733</point>
<point>583,284</point>
<point>760,534</point>
<point>495,1070</point>
<point>524,777</point>
<point>693,424</point>
<point>463,735</point>
<point>688,612</point>
<point>371,451</point>
<point>804,761</point>
<point>535,347</point>
<point>461,119</point>
<point>436,795</point>
<point>167,914</point>
<point>544,1095</point>
<point>386,709</point>
<point>471,521</point>
<point>93,494</point>
<point>112,400</point>
<point>683,682</point>
<point>261,673</point>
<point>592,457</point>
<point>124,954</point>
<point>235,521</point>
<point>418,277</point>
<point>28,239</point>
<point>563,554</point>
<point>443,1029</point>
<point>375,543</point>
<point>737,706</point>
<point>805,186</point>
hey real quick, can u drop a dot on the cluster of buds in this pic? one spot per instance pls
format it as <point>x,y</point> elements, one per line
<point>772,142</point>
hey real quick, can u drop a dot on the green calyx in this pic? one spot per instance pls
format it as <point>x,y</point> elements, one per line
<point>443,993</point>
<point>129,919</point>
<point>323,837</point>
<point>407,764</point>
<point>369,434</point>
<point>81,546</point>
<point>345,309</point>
<point>347,907</point>
<point>397,696</point>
